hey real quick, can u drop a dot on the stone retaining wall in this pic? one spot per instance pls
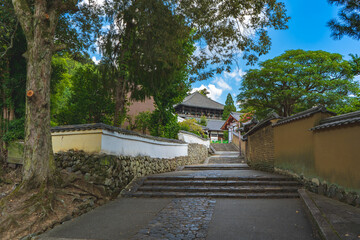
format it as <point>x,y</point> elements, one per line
<point>315,185</point>
<point>115,172</point>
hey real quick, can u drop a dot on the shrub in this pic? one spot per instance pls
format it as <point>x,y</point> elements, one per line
<point>142,121</point>
<point>191,125</point>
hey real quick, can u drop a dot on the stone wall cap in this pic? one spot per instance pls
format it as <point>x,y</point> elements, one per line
<point>263,123</point>
<point>303,114</point>
<point>193,134</point>
<point>96,126</point>
<point>344,119</point>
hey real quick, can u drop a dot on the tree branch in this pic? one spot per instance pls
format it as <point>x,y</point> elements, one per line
<point>60,47</point>
<point>11,40</point>
<point>25,17</point>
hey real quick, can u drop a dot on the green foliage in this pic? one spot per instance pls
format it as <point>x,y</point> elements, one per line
<point>164,124</point>
<point>350,104</point>
<point>229,107</point>
<point>226,135</point>
<point>203,121</point>
<point>8,27</point>
<point>349,16</point>
<point>90,99</point>
<point>355,64</point>
<point>219,28</point>
<point>298,80</point>
<point>12,85</point>
<point>190,125</point>
<point>60,86</point>
<point>14,131</point>
<point>142,121</point>
<point>204,92</point>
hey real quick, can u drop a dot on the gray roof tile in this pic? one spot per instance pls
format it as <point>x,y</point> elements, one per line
<point>95,126</point>
<point>304,114</point>
<point>236,115</point>
<point>349,118</point>
<point>262,123</point>
<point>214,125</point>
<point>198,100</point>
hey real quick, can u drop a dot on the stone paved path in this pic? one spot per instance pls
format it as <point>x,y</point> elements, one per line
<point>191,218</point>
<point>186,218</point>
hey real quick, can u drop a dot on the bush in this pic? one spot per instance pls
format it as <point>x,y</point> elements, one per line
<point>163,124</point>
<point>226,135</point>
<point>142,121</point>
<point>202,121</point>
<point>16,130</point>
<point>190,125</point>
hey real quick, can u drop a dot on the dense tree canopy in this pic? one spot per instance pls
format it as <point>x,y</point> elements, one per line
<point>349,19</point>
<point>229,107</point>
<point>297,80</point>
<point>142,43</point>
<point>90,100</point>
<point>224,29</point>
<point>146,48</point>
<point>8,27</point>
<point>12,82</point>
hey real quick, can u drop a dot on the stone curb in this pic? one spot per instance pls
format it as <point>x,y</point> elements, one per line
<point>132,187</point>
<point>323,227</point>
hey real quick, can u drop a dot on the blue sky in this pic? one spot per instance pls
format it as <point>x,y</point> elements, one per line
<point>307,30</point>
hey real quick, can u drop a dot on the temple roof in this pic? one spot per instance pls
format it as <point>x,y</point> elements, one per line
<point>232,116</point>
<point>236,115</point>
<point>198,100</point>
<point>214,125</point>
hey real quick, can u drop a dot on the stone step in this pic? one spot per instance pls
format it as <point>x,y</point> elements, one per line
<point>221,183</point>
<point>214,168</point>
<point>223,189</point>
<point>223,160</point>
<point>217,167</point>
<point>224,147</point>
<point>217,178</point>
<point>211,195</point>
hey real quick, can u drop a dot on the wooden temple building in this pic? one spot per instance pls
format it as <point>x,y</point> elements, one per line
<point>197,105</point>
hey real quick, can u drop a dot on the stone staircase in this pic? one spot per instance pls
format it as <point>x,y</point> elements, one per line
<point>224,177</point>
<point>216,167</point>
<point>216,187</point>
<point>224,147</point>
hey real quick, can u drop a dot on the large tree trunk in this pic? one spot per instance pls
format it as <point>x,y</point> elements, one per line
<point>38,155</point>
<point>39,28</point>
<point>120,101</point>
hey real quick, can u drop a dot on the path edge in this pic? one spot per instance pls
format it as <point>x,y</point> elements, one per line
<point>322,226</point>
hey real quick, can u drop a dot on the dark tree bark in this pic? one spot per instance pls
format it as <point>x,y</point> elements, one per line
<point>39,24</point>
<point>120,100</point>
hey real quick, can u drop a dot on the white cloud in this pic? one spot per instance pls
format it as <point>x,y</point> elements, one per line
<point>95,60</point>
<point>222,84</point>
<point>236,75</point>
<point>91,2</point>
<point>214,92</point>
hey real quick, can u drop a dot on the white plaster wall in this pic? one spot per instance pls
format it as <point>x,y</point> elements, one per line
<point>130,145</point>
<point>189,138</point>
